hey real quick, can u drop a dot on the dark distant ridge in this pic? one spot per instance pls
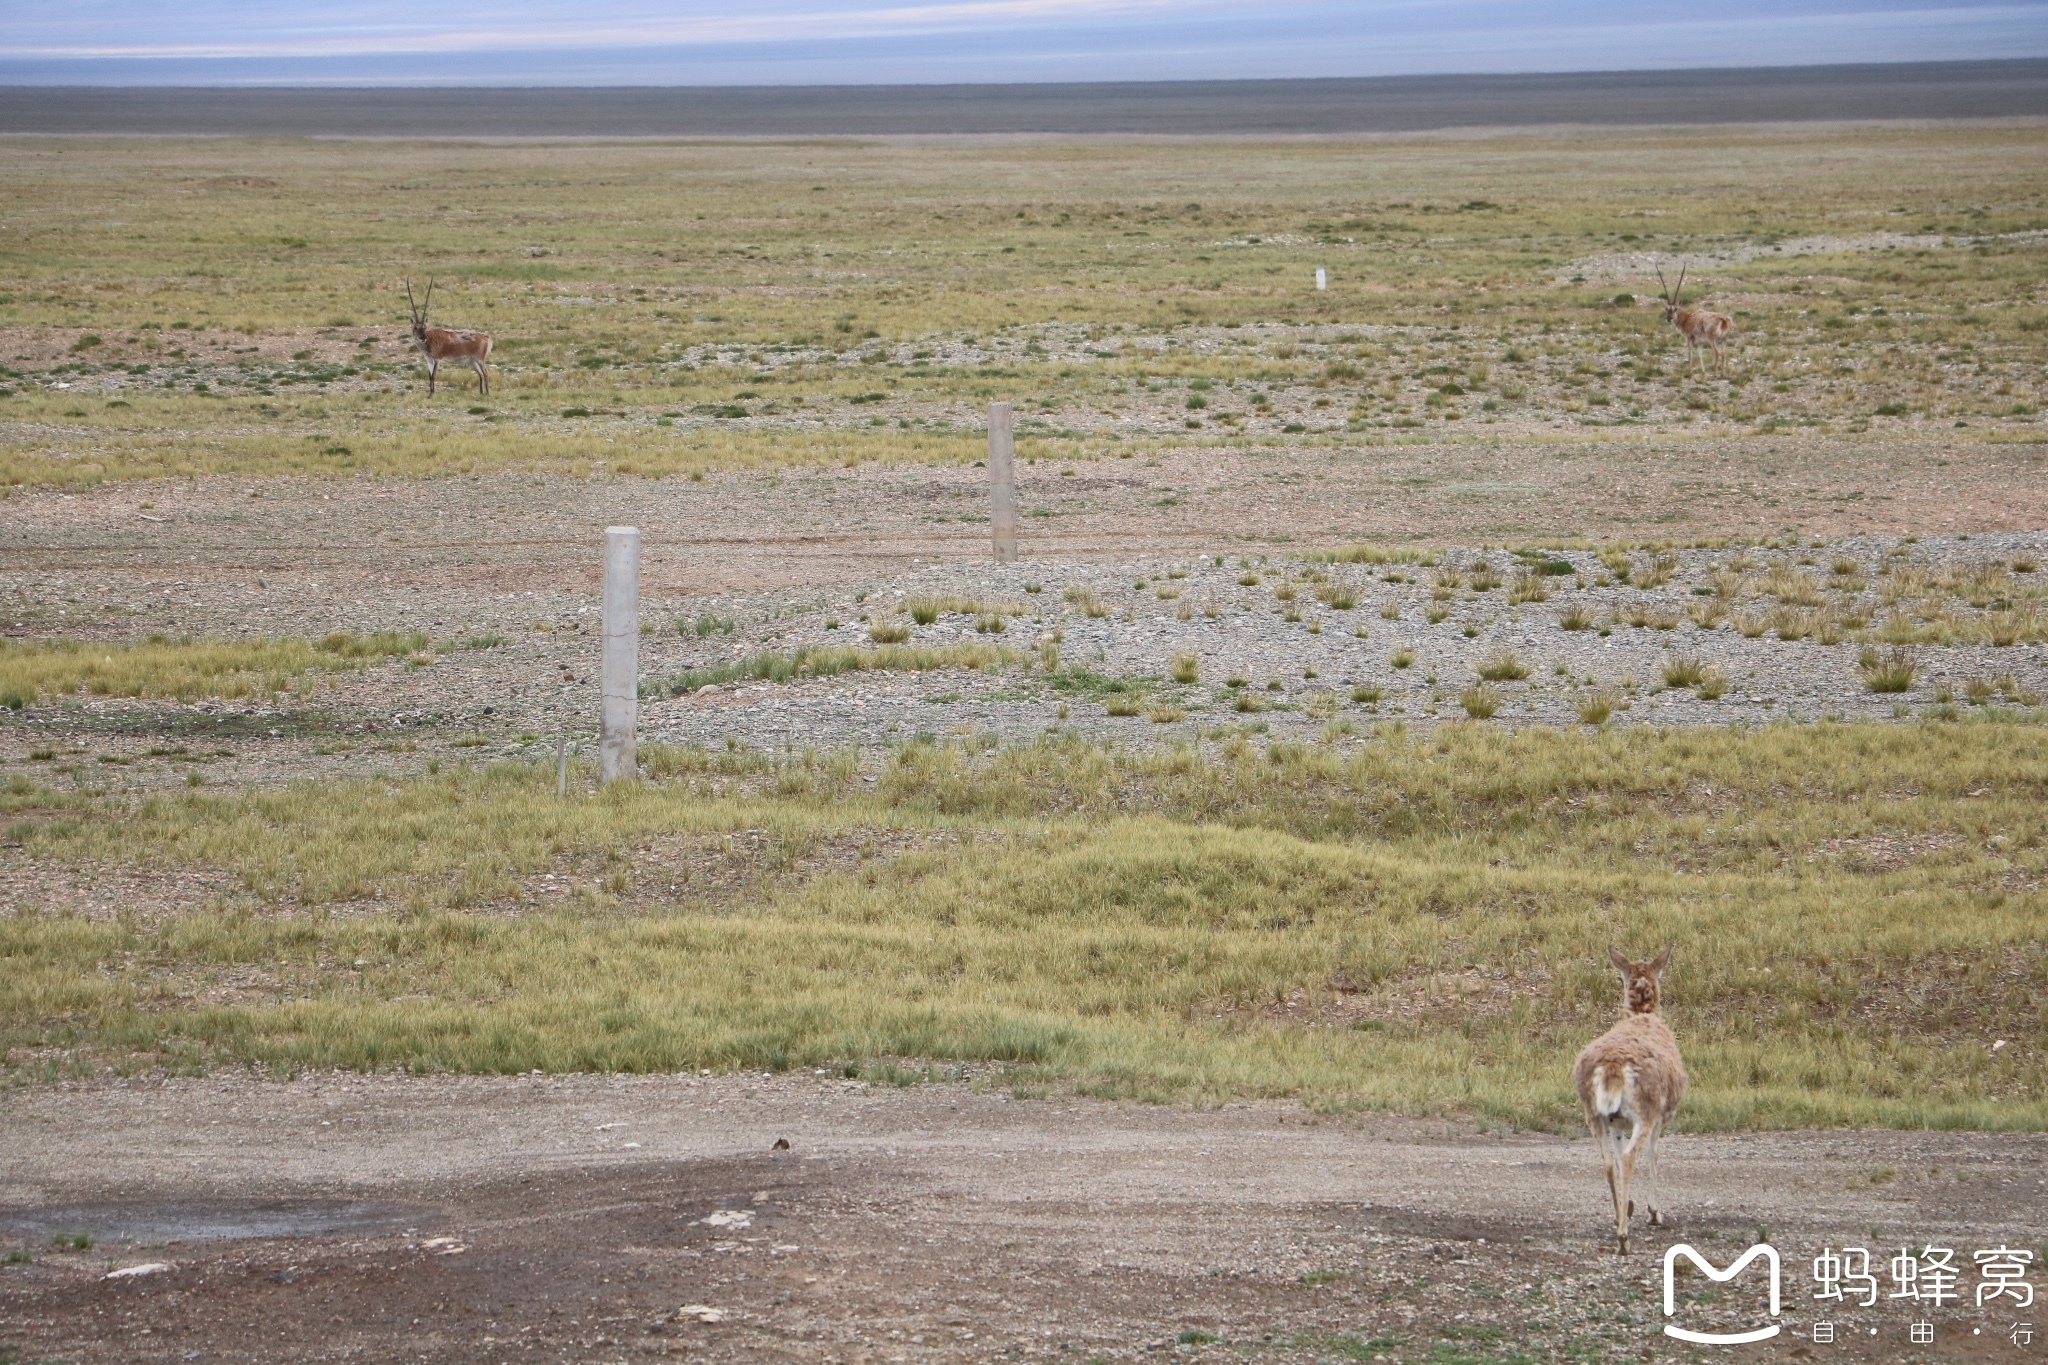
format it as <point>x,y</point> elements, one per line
<point>1920,90</point>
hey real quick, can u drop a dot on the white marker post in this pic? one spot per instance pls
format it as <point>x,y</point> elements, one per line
<point>1002,482</point>
<point>621,673</point>
<point>1322,280</point>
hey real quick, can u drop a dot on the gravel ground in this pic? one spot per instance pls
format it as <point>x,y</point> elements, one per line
<point>605,1219</point>
<point>514,559</point>
<point>1307,670</point>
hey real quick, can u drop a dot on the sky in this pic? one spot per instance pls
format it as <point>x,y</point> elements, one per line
<point>876,42</point>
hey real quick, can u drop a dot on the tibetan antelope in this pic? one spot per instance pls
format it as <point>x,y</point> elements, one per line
<point>439,343</point>
<point>1699,327</point>
<point>1631,1077</point>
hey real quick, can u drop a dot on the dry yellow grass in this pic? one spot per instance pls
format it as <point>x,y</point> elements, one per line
<point>671,309</point>
<point>1122,924</point>
<point>162,667</point>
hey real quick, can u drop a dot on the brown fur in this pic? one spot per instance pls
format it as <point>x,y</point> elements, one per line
<point>1631,1077</point>
<point>442,343</point>
<point>1699,327</point>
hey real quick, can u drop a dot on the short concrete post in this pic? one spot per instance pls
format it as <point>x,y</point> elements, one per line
<point>1321,279</point>
<point>621,672</point>
<point>1002,481</point>
<point>562,766</point>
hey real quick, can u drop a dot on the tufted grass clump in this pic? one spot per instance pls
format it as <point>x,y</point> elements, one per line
<point>1596,706</point>
<point>1684,671</point>
<point>1889,670</point>
<point>1528,587</point>
<point>1090,604</point>
<point>1480,701</point>
<point>1503,665</point>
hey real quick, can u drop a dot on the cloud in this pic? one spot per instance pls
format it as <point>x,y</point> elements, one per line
<point>542,42</point>
<point>377,26</point>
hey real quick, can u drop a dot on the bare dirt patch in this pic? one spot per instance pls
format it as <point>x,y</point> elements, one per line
<point>602,1219</point>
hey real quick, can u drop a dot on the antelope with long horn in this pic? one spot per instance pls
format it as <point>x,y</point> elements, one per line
<point>1631,1078</point>
<point>440,343</point>
<point>1699,327</point>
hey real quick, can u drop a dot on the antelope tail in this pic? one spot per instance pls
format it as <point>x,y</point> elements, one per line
<point>1610,1084</point>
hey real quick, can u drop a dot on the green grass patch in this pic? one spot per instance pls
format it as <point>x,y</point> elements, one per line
<point>162,667</point>
<point>660,306</point>
<point>1125,933</point>
<point>397,444</point>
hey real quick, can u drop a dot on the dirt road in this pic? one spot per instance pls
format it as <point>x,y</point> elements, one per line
<point>236,553</point>
<point>608,1219</point>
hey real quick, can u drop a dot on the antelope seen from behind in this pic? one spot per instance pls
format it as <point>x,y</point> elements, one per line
<point>440,343</point>
<point>1630,1080</point>
<point>1699,327</point>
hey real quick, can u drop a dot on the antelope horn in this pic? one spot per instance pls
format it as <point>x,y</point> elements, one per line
<point>1681,285</point>
<point>430,299</point>
<point>1666,295</point>
<point>410,306</point>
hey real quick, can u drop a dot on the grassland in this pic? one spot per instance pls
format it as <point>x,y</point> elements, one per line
<point>671,308</point>
<point>1421,926</point>
<point>1409,922</point>
<point>162,667</point>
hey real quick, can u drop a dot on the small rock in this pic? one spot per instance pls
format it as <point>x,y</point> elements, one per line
<point>702,1312</point>
<point>136,1272</point>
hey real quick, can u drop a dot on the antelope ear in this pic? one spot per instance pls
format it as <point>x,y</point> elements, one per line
<point>1661,961</point>
<point>1621,963</point>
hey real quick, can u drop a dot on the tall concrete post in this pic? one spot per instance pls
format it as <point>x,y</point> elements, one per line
<point>621,671</point>
<point>1002,481</point>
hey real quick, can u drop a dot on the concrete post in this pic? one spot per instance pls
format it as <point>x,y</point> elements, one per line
<point>621,672</point>
<point>1002,481</point>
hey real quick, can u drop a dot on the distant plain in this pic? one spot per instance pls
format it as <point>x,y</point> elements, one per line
<point>197,331</point>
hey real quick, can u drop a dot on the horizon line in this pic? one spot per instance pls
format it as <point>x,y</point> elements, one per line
<point>344,83</point>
